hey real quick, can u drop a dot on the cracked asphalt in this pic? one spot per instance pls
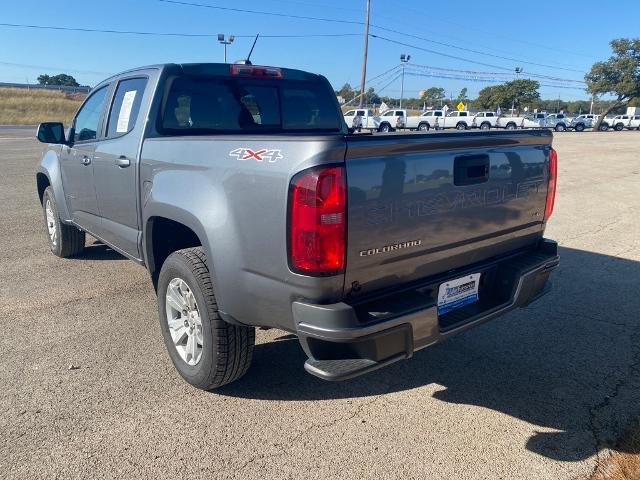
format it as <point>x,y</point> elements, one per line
<point>539,393</point>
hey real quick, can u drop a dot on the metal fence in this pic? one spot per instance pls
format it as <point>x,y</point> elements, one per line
<point>58,88</point>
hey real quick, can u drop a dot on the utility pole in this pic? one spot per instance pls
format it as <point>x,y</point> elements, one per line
<point>363,80</point>
<point>403,60</point>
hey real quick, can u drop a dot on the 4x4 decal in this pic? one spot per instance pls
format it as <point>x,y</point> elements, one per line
<point>244,153</point>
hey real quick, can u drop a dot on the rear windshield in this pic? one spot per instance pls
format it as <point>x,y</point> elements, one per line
<point>200,105</point>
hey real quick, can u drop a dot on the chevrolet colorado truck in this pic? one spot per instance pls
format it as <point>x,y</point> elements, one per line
<point>241,191</point>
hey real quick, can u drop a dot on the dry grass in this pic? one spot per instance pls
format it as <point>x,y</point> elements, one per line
<point>30,107</point>
<point>623,464</point>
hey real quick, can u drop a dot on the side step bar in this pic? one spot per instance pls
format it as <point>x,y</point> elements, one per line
<point>336,370</point>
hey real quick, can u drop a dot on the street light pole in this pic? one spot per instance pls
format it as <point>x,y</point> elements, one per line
<point>518,71</point>
<point>225,41</point>
<point>403,60</point>
<point>363,80</point>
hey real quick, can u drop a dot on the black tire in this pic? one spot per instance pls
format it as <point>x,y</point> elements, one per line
<point>227,349</point>
<point>579,127</point>
<point>385,127</point>
<point>423,127</point>
<point>560,127</point>
<point>618,127</point>
<point>511,126</point>
<point>461,126</point>
<point>604,127</point>
<point>485,126</point>
<point>67,241</point>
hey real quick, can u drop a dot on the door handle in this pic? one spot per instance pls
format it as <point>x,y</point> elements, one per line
<point>85,160</point>
<point>123,161</point>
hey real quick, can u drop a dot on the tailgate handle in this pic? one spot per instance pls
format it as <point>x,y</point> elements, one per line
<point>470,169</point>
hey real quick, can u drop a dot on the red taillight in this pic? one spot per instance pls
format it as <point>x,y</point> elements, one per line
<point>553,179</point>
<point>317,221</point>
<point>252,71</point>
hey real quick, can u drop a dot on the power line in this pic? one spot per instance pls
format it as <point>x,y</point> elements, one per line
<point>168,34</point>
<point>355,22</point>
<point>477,52</point>
<point>467,78</point>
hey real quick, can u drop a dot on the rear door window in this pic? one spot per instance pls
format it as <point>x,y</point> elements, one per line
<point>200,105</point>
<point>125,106</point>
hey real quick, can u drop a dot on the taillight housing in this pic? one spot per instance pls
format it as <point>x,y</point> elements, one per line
<point>318,221</point>
<point>552,182</point>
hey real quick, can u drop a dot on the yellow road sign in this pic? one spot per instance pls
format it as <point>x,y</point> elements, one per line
<point>460,106</point>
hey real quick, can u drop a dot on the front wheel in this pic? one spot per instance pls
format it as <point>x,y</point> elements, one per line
<point>485,126</point>
<point>207,351</point>
<point>64,240</point>
<point>423,127</point>
<point>385,127</point>
<point>511,126</point>
<point>619,127</point>
<point>579,127</point>
<point>604,127</point>
<point>461,126</point>
<point>560,127</point>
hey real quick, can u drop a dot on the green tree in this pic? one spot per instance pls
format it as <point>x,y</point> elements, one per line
<point>371,97</point>
<point>433,95</point>
<point>517,93</point>
<point>618,76</point>
<point>60,79</point>
<point>346,92</point>
<point>462,96</point>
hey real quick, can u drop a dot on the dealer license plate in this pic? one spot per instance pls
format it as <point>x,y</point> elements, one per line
<point>458,293</point>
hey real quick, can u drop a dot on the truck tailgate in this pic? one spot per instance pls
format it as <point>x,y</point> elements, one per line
<point>420,205</point>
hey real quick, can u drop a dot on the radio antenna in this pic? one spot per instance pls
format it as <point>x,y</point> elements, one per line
<point>248,61</point>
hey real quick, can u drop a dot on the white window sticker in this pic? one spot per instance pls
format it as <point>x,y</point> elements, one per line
<point>125,112</point>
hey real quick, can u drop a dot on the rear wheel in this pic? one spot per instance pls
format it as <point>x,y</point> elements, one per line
<point>604,127</point>
<point>207,351</point>
<point>423,127</point>
<point>64,240</point>
<point>461,126</point>
<point>385,127</point>
<point>560,127</point>
<point>485,126</point>
<point>619,127</point>
<point>579,127</point>
<point>511,126</point>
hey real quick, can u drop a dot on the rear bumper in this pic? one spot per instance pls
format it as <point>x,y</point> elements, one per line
<point>345,340</point>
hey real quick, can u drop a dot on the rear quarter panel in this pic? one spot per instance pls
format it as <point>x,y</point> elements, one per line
<point>238,208</point>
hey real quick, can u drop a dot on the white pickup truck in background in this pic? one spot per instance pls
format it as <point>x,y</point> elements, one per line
<point>360,118</point>
<point>484,120</point>
<point>459,120</point>
<point>630,122</point>
<point>392,120</point>
<point>425,121</point>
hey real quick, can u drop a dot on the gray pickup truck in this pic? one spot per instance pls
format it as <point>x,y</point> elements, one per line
<point>242,192</point>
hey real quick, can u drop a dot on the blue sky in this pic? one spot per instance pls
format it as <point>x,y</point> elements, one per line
<point>563,38</point>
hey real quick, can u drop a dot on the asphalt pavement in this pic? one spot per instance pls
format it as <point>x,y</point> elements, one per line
<point>88,391</point>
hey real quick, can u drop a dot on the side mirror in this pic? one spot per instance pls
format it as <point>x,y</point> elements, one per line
<point>51,132</point>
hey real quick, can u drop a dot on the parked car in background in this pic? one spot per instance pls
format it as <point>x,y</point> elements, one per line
<point>533,120</point>
<point>484,120</point>
<point>392,120</point>
<point>558,121</point>
<point>581,122</point>
<point>425,121</point>
<point>360,118</point>
<point>459,120</point>
<point>630,122</point>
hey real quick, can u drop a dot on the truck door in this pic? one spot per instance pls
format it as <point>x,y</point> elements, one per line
<point>116,165</point>
<point>76,161</point>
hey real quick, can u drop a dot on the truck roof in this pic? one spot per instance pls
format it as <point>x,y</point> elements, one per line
<point>213,69</point>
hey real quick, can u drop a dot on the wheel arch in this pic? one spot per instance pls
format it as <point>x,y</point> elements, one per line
<point>48,174</point>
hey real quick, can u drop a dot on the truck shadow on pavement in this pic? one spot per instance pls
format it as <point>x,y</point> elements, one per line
<point>568,364</point>
<point>99,251</point>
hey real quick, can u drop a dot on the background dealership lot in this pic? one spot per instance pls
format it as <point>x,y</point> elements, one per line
<point>534,394</point>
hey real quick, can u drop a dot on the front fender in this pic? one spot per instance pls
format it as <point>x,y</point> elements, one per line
<point>50,167</point>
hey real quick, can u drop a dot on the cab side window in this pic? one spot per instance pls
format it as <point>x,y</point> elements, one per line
<point>125,107</point>
<point>85,126</point>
